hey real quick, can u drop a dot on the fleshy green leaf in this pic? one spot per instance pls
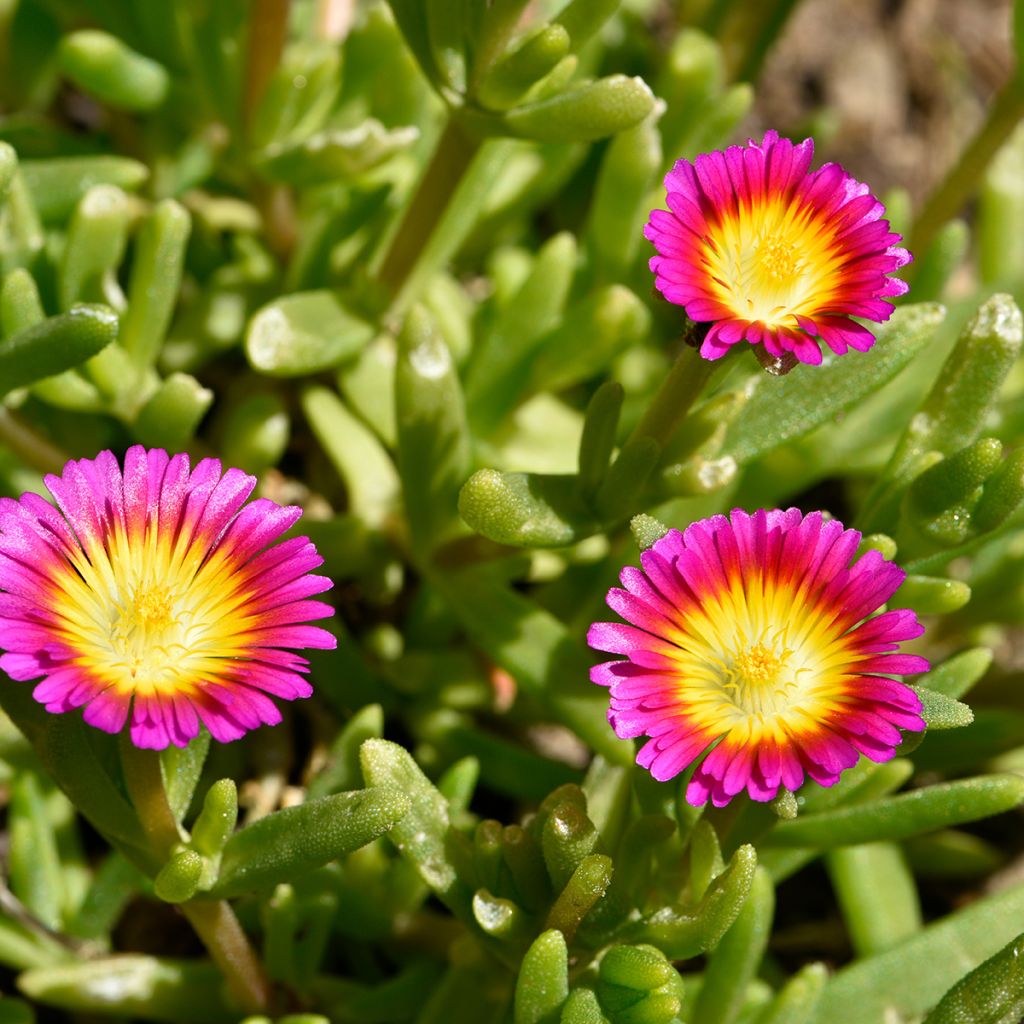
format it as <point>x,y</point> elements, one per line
<point>955,676</point>
<point>300,95</point>
<point>932,595</point>
<point>94,248</point>
<point>335,154</point>
<point>567,839</point>
<point>538,650</point>
<point>525,509</point>
<point>952,854</point>
<point>297,335</point>
<point>422,834</point>
<point>798,998</point>
<point>522,66</point>
<point>178,880</point>
<point>501,366</point>
<point>682,934</point>
<point>939,806</point>
<point>155,282</point>
<point>173,412</point>
<point>57,185</point>
<point>34,864</point>
<point>942,712</point>
<point>286,844</point>
<point>433,439</point>
<point>871,991</point>
<point>591,335</point>
<point>76,760</point>
<point>942,257</point>
<point>590,112</point>
<point>598,438</point>
<point>8,165</point>
<point>543,983</point>
<point>133,985</point>
<point>786,407</point>
<point>993,993</point>
<point>411,16</point>
<point>620,204</point>
<point>342,769</point>
<point>216,822</point>
<point>256,433</point>
<point>181,767</point>
<point>953,413</point>
<point>366,468</point>
<point>583,18</point>
<point>647,531</point>
<point>582,1007</point>
<point>1002,495</point>
<point>100,64</point>
<point>877,895</point>
<point>735,960</point>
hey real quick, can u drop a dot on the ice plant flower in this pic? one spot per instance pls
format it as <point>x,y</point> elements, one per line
<point>754,633</point>
<point>766,252</point>
<point>158,594</point>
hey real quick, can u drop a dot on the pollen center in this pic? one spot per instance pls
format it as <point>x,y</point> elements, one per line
<point>759,665</point>
<point>760,680</point>
<point>146,631</point>
<point>778,258</point>
<point>768,263</point>
<point>151,609</point>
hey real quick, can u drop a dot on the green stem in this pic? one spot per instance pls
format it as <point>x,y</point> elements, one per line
<point>676,395</point>
<point>213,920</point>
<point>948,199</point>
<point>452,156</point>
<point>144,779</point>
<point>267,35</point>
<point>441,213</point>
<point>215,923</point>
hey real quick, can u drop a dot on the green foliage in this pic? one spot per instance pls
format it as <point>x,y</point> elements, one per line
<point>394,266</point>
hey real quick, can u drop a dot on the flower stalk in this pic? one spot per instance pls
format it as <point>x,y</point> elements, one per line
<point>676,394</point>
<point>958,185</point>
<point>441,213</point>
<point>452,157</point>
<point>213,920</point>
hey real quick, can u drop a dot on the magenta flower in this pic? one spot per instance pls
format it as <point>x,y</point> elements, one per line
<point>768,253</point>
<point>755,631</point>
<point>158,594</point>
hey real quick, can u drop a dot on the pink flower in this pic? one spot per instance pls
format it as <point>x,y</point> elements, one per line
<point>160,595</point>
<point>755,631</point>
<point>768,253</point>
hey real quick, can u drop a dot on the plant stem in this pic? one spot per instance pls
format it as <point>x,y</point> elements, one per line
<point>441,213</point>
<point>145,781</point>
<point>268,30</point>
<point>452,156</point>
<point>674,398</point>
<point>213,920</point>
<point>215,923</point>
<point>946,201</point>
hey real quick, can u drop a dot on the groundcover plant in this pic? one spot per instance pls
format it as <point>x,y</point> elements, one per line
<point>501,505</point>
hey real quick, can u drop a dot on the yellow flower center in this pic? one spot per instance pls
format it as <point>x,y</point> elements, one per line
<point>153,617</point>
<point>772,262</point>
<point>759,665</point>
<point>777,258</point>
<point>151,610</point>
<point>761,680</point>
<point>144,631</point>
<point>755,656</point>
